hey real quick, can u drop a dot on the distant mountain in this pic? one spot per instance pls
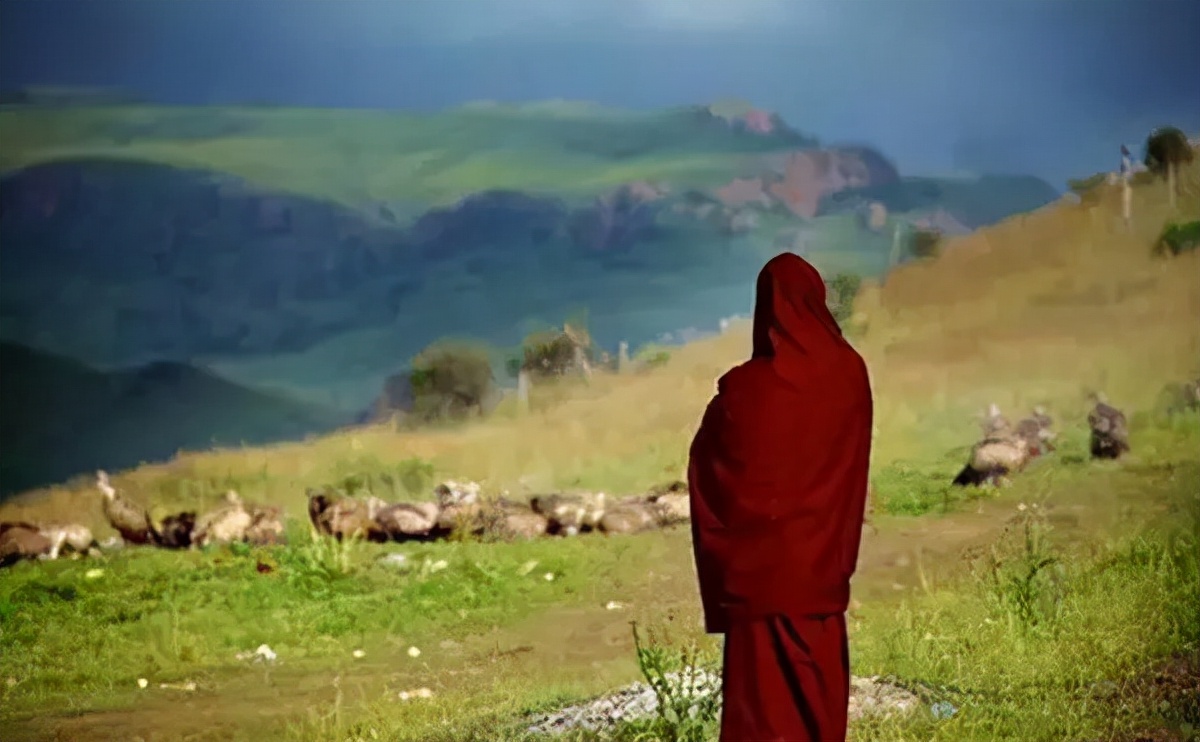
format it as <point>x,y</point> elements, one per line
<point>62,418</point>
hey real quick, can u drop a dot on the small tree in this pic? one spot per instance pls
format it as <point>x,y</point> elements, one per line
<point>1167,149</point>
<point>450,381</point>
<point>840,295</point>
<point>553,353</point>
<point>924,242</point>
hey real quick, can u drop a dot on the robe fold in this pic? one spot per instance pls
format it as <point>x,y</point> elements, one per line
<point>777,475</point>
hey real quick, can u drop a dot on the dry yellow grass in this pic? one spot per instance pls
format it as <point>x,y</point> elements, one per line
<point>1033,310</point>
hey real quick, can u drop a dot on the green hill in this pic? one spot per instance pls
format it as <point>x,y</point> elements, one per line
<point>318,250</point>
<point>62,418</point>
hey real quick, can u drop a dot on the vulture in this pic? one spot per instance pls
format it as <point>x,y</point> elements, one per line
<point>1110,435</point>
<point>129,520</point>
<point>223,525</point>
<point>671,508</point>
<point>72,535</point>
<point>513,520</point>
<point>342,517</point>
<point>568,515</point>
<point>21,541</point>
<point>266,526</point>
<point>456,493</point>
<point>995,424</point>
<point>993,459</point>
<point>175,531</point>
<point>1035,429</point>
<point>629,516</point>
<point>405,520</point>
<point>466,517</point>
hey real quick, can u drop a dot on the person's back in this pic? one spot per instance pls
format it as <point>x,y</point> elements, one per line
<point>778,481</point>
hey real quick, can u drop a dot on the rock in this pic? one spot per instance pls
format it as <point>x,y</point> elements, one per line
<point>744,192</point>
<point>802,178</point>
<point>868,697</point>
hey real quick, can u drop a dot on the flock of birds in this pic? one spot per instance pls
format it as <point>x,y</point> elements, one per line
<point>1006,449</point>
<point>458,509</point>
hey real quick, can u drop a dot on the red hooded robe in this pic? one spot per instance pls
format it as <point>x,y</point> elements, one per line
<point>778,482</point>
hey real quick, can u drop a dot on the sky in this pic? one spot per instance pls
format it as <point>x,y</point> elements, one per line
<point>1048,87</point>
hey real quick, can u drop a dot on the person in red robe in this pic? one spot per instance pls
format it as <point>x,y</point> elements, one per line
<point>777,475</point>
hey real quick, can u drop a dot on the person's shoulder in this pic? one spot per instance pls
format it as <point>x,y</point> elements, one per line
<point>743,377</point>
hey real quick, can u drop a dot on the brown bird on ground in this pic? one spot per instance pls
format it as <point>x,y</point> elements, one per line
<point>175,531</point>
<point>76,538</point>
<point>1109,430</point>
<point>993,460</point>
<point>569,515</point>
<point>1035,429</point>
<point>266,526</point>
<point>129,520</point>
<point>671,508</point>
<point>342,517</point>
<point>21,541</point>
<point>404,521</point>
<point>225,525</point>
<point>515,521</point>
<point>632,515</point>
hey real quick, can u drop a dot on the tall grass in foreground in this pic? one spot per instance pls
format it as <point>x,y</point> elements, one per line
<point>1037,642</point>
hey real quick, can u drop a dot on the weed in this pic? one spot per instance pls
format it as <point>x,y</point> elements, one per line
<point>686,683</point>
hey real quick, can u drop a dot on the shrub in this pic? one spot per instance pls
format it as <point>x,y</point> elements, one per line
<point>924,242</point>
<point>551,353</point>
<point>1166,147</point>
<point>1178,238</point>
<point>1081,186</point>
<point>450,381</point>
<point>841,292</point>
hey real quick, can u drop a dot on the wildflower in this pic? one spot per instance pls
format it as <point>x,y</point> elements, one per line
<point>142,682</point>
<point>548,577</point>
<point>414,652</point>
<point>358,654</point>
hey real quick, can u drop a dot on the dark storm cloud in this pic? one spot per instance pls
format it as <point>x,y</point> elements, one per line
<point>914,76</point>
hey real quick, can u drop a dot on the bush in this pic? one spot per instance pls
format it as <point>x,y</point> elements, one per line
<point>551,353</point>
<point>1165,147</point>
<point>1178,238</point>
<point>1081,186</point>
<point>450,381</point>
<point>841,292</point>
<point>924,242</point>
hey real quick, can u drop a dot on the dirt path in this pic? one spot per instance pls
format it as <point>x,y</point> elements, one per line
<point>586,645</point>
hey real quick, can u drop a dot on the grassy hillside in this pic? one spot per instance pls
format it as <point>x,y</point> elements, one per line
<point>1031,311</point>
<point>62,418</point>
<point>357,156</point>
